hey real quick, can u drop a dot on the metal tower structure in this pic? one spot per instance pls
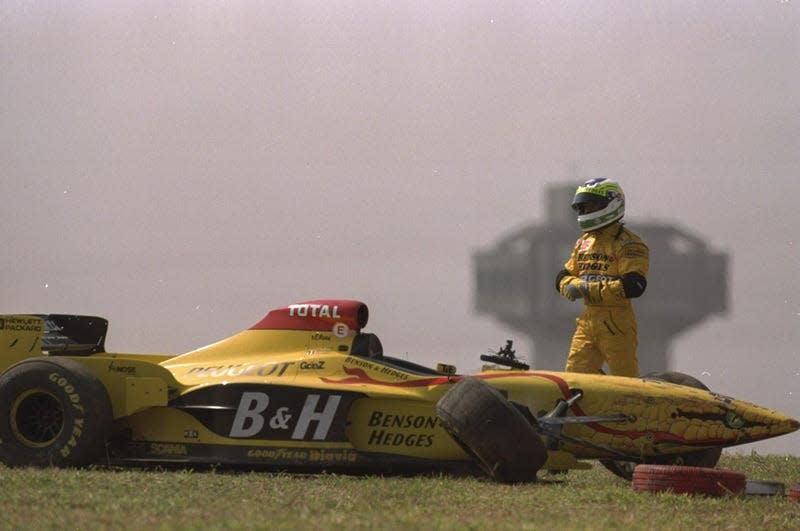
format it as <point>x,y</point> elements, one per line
<point>515,283</point>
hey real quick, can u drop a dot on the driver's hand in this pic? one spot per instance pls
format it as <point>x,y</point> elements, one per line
<point>574,289</point>
<point>582,289</point>
<point>573,292</point>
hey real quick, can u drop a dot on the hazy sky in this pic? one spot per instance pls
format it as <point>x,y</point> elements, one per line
<point>181,167</point>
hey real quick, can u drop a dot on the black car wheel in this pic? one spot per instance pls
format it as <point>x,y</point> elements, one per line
<point>492,430</point>
<point>53,412</point>
<point>707,458</point>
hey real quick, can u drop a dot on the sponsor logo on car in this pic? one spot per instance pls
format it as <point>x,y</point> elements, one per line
<point>125,369</point>
<point>253,417</point>
<point>397,434</point>
<point>241,369</point>
<point>312,456</point>
<point>314,310</point>
<point>18,324</point>
<point>168,449</point>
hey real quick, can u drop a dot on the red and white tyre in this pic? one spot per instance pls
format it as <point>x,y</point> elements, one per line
<point>688,480</point>
<point>794,492</point>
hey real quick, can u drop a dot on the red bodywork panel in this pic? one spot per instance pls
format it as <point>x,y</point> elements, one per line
<point>321,314</point>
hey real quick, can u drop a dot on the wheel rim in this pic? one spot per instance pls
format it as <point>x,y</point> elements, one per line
<point>37,418</point>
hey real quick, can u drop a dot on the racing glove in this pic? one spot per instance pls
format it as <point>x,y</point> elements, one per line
<point>575,288</point>
<point>572,291</point>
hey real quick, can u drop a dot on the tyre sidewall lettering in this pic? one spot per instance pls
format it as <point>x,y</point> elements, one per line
<point>72,430</point>
<point>85,414</point>
<point>59,387</point>
<point>69,390</point>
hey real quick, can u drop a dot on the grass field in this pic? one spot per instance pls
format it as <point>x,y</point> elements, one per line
<point>121,498</point>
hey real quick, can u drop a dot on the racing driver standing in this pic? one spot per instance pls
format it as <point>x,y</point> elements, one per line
<point>607,268</point>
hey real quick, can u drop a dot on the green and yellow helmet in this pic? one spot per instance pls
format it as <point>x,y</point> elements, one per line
<point>598,202</point>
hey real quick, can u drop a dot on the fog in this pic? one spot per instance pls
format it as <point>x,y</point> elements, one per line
<point>180,168</point>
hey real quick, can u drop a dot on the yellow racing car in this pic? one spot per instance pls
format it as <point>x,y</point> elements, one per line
<point>307,388</point>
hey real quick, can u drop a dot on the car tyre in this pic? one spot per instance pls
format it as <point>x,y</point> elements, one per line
<point>492,431</point>
<point>53,412</point>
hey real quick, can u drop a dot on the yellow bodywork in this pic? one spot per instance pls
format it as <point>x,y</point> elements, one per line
<point>305,397</point>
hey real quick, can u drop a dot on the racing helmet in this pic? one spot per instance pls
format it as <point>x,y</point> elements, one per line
<point>598,202</point>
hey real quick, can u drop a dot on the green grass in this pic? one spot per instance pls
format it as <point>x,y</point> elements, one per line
<point>117,498</point>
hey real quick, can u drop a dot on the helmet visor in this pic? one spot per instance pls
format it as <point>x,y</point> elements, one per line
<point>586,203</point>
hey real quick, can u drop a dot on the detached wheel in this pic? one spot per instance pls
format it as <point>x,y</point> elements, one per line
<point>492,430</point>
<point>707,458</point>
<point>53,412</point>
<point>688,480</point>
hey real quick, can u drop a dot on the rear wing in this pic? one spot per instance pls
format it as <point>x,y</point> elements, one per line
<point>53,334</point>
<point>75,335</point>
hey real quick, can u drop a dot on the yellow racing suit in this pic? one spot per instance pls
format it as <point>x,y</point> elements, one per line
<point>607,268</point>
